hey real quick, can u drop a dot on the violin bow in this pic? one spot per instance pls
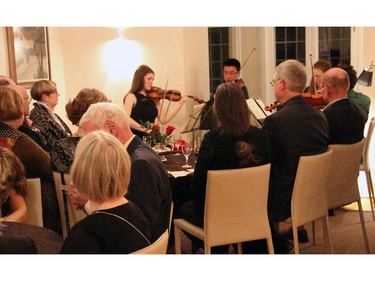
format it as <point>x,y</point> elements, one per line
<point>170,101</point>
<point>162,102</point>
<point>313,90</point>
<point>248,57</point>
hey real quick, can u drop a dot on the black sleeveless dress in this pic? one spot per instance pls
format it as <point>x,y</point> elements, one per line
<point>144,110</point>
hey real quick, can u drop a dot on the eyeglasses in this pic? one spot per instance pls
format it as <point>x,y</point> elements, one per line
<point>50,93</point>
<point>273,82</point>
<point>230,72</point>
<point>325,85</point>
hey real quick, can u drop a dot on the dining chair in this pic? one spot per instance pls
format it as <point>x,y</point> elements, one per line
<point>33,202</point>
<point>309,202</point>
<point>170,217</point>
<point>61,199</point>
<point>365,165</point>
<point>343,179</point>
<point>68,214</point>
<point>74,215</point>
<point>235,209</point>
<point>158,247</point>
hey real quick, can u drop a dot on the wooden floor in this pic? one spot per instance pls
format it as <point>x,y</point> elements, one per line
<point>346,234</point>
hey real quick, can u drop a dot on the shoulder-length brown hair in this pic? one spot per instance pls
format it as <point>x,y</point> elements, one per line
<point>138,82</point>
<point>231,109</point>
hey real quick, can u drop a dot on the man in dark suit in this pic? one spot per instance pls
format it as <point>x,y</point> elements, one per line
<point>297,129</point>
<point>149,186</point>
<point>346,120</point>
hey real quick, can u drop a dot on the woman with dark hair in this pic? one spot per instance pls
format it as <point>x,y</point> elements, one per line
<point>12,187</point>
<point>319,68</point>
<point>234,143</point>
<point>143,109</point>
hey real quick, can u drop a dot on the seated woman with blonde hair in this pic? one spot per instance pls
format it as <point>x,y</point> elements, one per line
<point>101,173</point>
<point>12,187</point>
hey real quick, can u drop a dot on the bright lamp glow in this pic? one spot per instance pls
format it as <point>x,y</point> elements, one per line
<point>121,57</point>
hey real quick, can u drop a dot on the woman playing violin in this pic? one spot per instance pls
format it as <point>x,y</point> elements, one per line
<point>319,68</point>
<point>141,107</point>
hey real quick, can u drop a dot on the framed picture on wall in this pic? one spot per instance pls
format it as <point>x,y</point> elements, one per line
<point>28,54</point>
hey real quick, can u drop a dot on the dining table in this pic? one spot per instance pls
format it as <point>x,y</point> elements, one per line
<point>45,241</point>
<point>180,178</point>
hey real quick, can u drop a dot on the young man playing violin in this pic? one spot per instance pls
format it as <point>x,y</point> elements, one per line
<point>231,73</point>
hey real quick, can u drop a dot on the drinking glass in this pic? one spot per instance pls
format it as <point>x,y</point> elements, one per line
<point>186,150</point>
<point>177,144</point>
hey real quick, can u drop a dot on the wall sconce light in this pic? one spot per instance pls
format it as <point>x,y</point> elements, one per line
<point>365,79</point>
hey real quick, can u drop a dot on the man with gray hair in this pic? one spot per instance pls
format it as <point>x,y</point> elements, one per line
<point>149,186</point>
<point>295,130</point>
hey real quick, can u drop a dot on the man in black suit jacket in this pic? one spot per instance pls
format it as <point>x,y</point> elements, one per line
<point>295,130</point>
<point>149,186</point>
<point>345,119</point>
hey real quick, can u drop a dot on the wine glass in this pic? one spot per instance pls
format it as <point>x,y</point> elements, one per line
<point>186,150</point>
<point>177,144</point>
<point>197,146</point>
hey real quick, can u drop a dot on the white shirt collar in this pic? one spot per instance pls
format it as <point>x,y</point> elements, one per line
<point>126,144</point>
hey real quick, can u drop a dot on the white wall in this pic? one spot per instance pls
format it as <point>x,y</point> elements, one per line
<point>176,54</point>
<point>79,59</point>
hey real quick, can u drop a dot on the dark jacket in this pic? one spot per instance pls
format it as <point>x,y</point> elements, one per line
<point>346,122</point>
<point>297,129</point>
<point>149,186</point>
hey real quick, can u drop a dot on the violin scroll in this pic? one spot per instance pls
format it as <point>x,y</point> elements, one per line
<point>273,106</point>
<point>239,82</point>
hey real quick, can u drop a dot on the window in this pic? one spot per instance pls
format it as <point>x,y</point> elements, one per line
<point>218,43</point>
<point>290,44</point>
<point>334,44</point>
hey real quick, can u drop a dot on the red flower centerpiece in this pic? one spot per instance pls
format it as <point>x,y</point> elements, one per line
<point>159,134</point>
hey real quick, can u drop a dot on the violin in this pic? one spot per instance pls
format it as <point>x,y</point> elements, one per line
<point>273,106</point>
<point>316,100</point>
<point>157,93</point>
<point>240,83</point>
